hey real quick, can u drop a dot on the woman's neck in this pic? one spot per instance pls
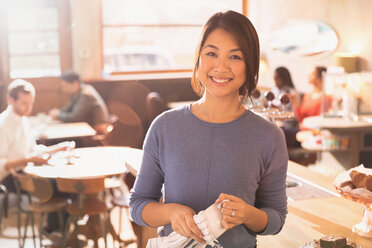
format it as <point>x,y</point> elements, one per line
<point>215,110</point>
<point>317,89</point>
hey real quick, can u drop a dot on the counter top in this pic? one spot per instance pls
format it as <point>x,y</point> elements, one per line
<point>321,122</point>
<point>314,218</point>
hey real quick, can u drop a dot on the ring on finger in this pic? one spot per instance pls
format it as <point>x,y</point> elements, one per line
<point>233,213</point>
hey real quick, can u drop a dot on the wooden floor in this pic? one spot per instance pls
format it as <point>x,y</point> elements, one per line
<point>9,234</point>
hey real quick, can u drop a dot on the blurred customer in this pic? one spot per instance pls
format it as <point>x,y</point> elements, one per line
<point>311,104</point>
<point>284,85</point>
<point>86,105</point>
<point>18,145</point>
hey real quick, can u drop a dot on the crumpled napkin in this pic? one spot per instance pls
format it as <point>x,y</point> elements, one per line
<point>209,223</point>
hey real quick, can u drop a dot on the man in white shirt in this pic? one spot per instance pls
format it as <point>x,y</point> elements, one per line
<point>17,143</point>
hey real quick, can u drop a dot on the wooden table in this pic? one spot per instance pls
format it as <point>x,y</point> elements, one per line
<point>89,162</point>
<point>47,130</point>
<point>312,218</point>
<point>359,133</point>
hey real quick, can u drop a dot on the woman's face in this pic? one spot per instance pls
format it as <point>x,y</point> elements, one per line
<point>313,79</point>
<point>221,65</point>
<point>278,81</point>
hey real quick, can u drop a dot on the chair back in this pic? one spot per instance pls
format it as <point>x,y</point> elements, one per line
<point>155,105</point>
<point>105,128</point>
<point>86,190</point>
<point>127,130</point>
<point>134,95</point>
<point>81,186</point>
<point>39,188</point>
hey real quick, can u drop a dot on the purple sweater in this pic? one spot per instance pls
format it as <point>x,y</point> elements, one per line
<point>198,160</point>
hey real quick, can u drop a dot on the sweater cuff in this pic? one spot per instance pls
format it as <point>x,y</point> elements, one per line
<point>274,222</point>
<point>136,215</point>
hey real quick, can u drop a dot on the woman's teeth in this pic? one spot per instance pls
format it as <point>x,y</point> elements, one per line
<point>221,80</point>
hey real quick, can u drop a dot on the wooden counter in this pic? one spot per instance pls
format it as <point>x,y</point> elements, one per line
<point>360,134</point>
<point>313,218</point>
<point>308,219</point>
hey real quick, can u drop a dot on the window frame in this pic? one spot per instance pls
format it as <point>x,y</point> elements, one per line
<point>64,39</point>
<point>116,73</point>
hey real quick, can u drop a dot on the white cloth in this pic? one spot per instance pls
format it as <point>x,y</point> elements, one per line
<point>16,138</point>
<point>209,223</point>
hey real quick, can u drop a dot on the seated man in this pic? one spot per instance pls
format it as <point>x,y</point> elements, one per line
<point>86,105</point>
<point>18,145</point>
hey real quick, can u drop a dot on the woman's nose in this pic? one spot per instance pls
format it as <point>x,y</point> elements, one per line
<point>222,65</point>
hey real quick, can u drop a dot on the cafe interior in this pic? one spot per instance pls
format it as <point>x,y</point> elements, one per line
<point>138,56</point>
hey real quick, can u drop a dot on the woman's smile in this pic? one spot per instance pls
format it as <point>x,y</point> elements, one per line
<point>220,81</point>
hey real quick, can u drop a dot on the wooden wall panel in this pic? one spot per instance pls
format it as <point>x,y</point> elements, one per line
<point>48,94</point>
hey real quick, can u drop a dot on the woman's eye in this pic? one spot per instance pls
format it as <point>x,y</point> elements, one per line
<point>236,57</point>
<point>211,54</point>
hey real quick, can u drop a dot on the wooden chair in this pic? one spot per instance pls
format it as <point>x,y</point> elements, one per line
<point>120,198</point>
<point>39,193</point>
<point>155,105</point>
<point>134,95</point>
<point>104,129</point>
<point>87,203</point>
<point>127,130</point>
<point>3,205</point>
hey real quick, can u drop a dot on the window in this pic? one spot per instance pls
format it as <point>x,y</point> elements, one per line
<point>33,38</point>
<point>146,35</point>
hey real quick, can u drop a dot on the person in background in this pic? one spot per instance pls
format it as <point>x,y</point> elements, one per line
<point>283,85</point>
<point>17,142</point>
<point>311,104</point>
<point>214,149</point>
<point>86,105</point>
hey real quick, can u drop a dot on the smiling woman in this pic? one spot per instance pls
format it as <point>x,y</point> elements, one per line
<point>221,65</point>
<point>214,151</point>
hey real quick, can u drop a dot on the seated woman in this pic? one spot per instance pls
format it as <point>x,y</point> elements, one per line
<point>311,104</point>
<point>284,85</point>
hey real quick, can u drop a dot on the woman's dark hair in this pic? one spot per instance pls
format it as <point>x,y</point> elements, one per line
<point>319,71</point>
<point>70,77</point>
<point>285,76</point>
<point>245,34</point>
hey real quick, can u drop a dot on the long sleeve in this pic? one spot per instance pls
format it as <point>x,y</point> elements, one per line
<point>16,139</point>
<point>87,106</point>
<point>149,181</point>
<point>271,194</point>
<point>3,149</point>
<point>195,161</point>
<point>77,111</point>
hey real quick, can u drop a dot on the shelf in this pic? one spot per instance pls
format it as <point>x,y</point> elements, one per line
<point>319,148</point>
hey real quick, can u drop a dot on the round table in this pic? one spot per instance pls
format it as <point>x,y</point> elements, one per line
<point>87,162</point>
<point>90,162</point>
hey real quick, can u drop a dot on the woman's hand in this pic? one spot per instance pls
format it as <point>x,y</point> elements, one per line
<point>182,222</point>
<point>235,211</point>
<point>54,113</point>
